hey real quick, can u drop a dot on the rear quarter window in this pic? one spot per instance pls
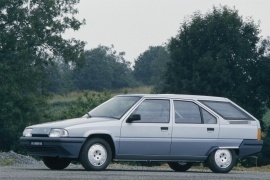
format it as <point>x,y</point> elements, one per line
<point>227,110</point>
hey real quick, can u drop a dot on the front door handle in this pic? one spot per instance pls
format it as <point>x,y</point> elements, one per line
<point>210,129</point>
<point>164,128</point>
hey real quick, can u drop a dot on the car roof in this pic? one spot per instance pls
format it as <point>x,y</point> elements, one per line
<point>179,96</point>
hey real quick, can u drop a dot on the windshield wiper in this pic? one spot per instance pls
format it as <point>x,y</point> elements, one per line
<point>112,117</point>
<point>89,116</point>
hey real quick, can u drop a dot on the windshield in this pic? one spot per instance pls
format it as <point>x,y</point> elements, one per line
<point>115,107</point>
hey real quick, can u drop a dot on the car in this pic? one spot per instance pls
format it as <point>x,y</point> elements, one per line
<point>177,129</point>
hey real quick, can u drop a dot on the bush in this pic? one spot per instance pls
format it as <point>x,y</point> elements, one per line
<point>85,103</point>
<point>7,162</point>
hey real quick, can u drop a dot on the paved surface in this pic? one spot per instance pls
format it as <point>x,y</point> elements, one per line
<point>122,173</point>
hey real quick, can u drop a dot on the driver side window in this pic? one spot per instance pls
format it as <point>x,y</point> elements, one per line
<point>154,111</point>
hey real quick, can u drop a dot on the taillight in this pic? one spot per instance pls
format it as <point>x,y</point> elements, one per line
<point>259,134</point>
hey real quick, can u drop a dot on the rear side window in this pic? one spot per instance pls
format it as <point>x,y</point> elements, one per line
<point>191,113</point>
<point>187,112</point>
<point>227,110</point>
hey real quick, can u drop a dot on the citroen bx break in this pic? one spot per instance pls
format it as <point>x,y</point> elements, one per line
<point>177,129</point>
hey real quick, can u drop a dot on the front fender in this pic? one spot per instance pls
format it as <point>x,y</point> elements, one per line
<point>92,132</point>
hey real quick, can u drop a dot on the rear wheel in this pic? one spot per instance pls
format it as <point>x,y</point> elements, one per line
<point>96,155</point>
<point>221,160</point>
<point>55,163</point>
<point>180,166</point>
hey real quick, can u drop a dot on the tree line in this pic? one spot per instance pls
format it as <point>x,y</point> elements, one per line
<point>217,53</point>
<point>106,69</point>
<point>35,61</point>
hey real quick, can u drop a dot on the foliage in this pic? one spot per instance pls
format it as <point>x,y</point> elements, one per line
<point>133,90</point>
<point>30,38</point>
<point>59,77</point>
<point>7,162</point>
<point>73,104</point>
<point>220,54</point>
<point>266,122</point>
<point>103,69</point>
<point>85,103</point>
<point>150,65</point>
<point>264,156</point>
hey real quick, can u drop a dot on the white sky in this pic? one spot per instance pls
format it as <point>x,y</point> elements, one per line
<point>134,25</point>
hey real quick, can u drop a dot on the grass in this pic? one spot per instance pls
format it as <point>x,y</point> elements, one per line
<point>60,103</point>
<point>135,90</point>
<point>65,98</point>
<point>200,166</point>
<point>259,168</point>
<point>74,95</point>
<point>7,162</point>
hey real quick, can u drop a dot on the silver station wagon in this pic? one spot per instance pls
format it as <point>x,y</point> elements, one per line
<point>177,129</point>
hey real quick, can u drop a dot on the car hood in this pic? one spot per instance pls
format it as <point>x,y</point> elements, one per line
<point>45,128</point>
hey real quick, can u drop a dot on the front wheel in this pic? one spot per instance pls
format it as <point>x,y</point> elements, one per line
<point>180,166</point>
<point>96,155</point>
<point>55,163</point>
<point>221,160</point>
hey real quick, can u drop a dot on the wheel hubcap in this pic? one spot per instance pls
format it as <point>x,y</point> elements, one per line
<point>223,158</point>
<point>97,155</point>
<point>182,163</point>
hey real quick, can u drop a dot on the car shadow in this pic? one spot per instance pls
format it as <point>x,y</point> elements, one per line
<point>116,170</point>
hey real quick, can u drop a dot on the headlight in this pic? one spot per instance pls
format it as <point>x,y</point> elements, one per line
<point>58,133</point>
<point>27,132</point>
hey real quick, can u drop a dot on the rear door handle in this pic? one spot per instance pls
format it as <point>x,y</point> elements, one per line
<point>210,129</point>
<point>164,128</point>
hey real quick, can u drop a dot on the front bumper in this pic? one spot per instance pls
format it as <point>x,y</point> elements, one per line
<point>53,147</point>
<point>249,147</point>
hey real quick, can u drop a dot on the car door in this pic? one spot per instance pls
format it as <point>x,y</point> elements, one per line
<point>195,130</point>
<point>150,136</point>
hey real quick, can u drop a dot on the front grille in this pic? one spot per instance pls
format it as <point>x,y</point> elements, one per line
<point>40,135</point>
<point>42,149</point>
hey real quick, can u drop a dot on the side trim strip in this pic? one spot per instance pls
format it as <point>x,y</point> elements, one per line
<point>228,147</point>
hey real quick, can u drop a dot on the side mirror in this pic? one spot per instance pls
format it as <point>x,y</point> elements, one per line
<point>133,117</point>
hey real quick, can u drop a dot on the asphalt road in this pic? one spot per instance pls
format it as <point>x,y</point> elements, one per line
<point>116,173</point>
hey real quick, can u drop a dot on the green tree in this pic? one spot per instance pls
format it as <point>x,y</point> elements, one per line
<point>30,38</point>
<point>220,54</point>
<point>103,69</point>
<point>150,65</point>
<point>59,79</point>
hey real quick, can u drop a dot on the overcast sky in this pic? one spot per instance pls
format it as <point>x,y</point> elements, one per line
<point>134,25</point>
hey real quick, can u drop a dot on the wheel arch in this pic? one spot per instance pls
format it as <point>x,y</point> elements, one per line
<point>234,148</point>
<point>107,137</point>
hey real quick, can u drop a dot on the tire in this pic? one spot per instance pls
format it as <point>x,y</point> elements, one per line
<point>221,160</point>
<point>180,166</point>
<point>55,163</point>
<point>96,154</point>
